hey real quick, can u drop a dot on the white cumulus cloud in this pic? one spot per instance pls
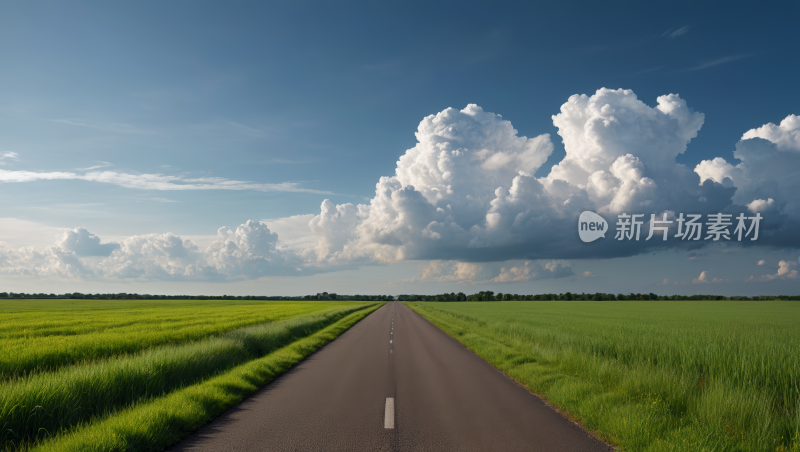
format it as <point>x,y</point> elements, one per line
<point>466,191</point>
<point>785,271</point>
<point>151,256</point>
<point>84,243</point>
<point>484,273</point>
<point>50,262</point>
<point>760,205</point>
<point>768,176</point>
<point>248,252</point>
<point>786,136</point>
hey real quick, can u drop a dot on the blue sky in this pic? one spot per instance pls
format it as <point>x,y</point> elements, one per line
<point>297,102</point>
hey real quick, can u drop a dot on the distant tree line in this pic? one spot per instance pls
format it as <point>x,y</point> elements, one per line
<point>480,296</point>
<point>333,296</point>
<point>569,296</point>
<point>135,296</point>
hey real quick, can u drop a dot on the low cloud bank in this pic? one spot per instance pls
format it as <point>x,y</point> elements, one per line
<point>248,252</point>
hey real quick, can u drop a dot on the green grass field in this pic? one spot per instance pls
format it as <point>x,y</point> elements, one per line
<point>118,358</point>
<point>43,335</point>
<point>649,375</point>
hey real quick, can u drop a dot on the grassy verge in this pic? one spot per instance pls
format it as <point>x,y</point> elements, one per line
<point>161,422</point>
<point>45,404</point>
<point>44,335</point>
<point>649,376</point>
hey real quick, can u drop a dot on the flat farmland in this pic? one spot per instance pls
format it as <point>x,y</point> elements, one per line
<point>648,375</point>
<point>43,335</point>
<point>116,375</point>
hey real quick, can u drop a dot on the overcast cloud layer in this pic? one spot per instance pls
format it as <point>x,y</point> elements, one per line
<point>466,194</point>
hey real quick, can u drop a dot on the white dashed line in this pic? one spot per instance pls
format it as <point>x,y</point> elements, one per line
<point>388,416</point>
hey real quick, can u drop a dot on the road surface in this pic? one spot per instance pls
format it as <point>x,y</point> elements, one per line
<point>393,382</point>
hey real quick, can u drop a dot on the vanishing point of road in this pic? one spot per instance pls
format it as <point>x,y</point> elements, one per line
<point>393,382</point>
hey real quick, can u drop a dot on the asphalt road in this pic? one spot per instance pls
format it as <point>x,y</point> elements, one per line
<point>393,382</point>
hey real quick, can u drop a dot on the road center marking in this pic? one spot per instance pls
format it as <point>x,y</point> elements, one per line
<point>388,415</point>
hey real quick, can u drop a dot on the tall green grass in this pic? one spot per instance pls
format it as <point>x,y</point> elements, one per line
<point>46,404</point>
<point>152,425</point>
<point>649,376</point>
<point>44,335</point>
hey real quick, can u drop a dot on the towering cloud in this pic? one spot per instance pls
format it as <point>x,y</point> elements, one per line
<point>467,191</point>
